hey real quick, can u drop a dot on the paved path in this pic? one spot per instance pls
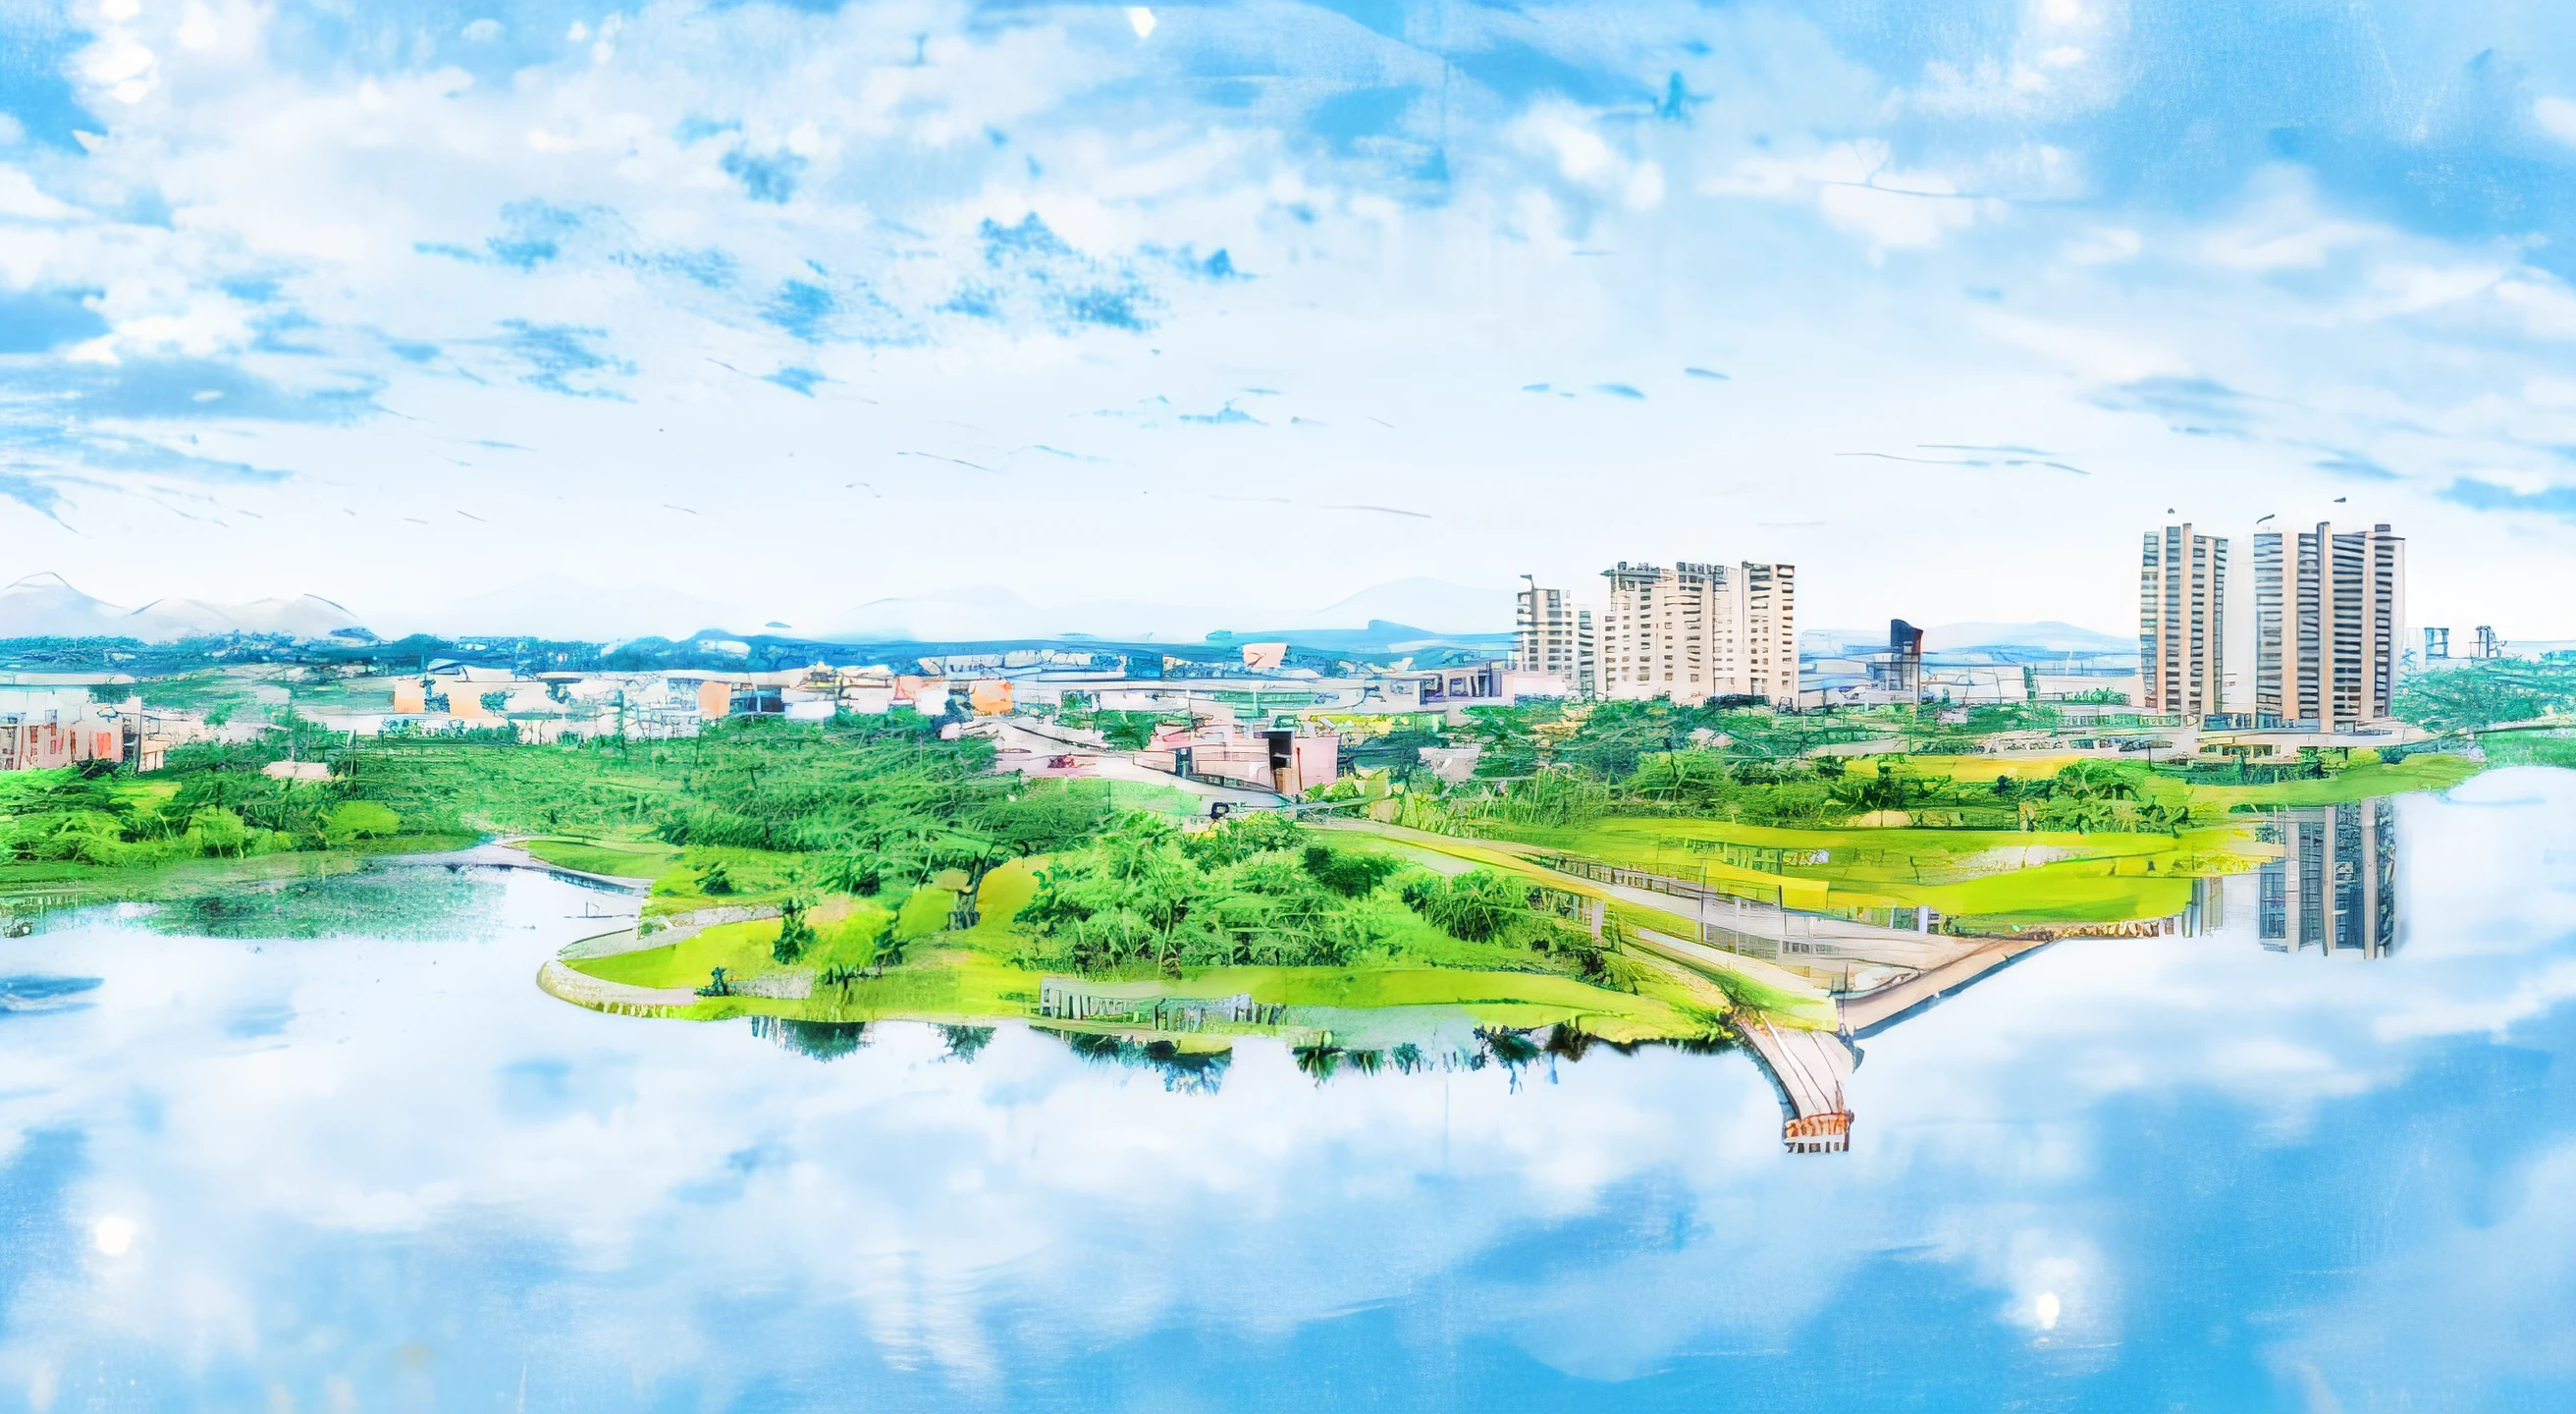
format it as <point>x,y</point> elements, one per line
<point>560,981</point>
<point>1867,1011</point>
<point>1714,959</point>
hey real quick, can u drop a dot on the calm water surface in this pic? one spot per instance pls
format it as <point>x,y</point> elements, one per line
<point>270,1160</point>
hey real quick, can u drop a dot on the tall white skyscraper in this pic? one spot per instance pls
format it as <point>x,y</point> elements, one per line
<point>1556,637</point>
<point>2182,618</point>
<point>2329,622</point>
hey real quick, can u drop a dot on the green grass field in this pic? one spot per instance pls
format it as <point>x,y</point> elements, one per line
<point>2415,773</point>
<point>741,949</point>
<point>645,859</point>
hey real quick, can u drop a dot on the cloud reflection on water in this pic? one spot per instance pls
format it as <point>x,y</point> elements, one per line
<point>417,1149</point>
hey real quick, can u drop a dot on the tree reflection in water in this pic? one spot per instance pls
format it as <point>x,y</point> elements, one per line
<point>1183,1072</point>
<point>822,1040</point>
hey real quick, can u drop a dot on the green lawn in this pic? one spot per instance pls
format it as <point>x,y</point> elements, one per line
<point>625,859</point>
<point>741,949</point>
<point>2415,773</point>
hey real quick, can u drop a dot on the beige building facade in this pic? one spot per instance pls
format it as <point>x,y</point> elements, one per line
<point>2182,621</point>
<point>1556,638</point>
<point>2329,622</point>
<point>1693,631</point>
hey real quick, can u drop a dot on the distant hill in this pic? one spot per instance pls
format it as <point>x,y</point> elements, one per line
<point>559,607</point>
<point>1366,619</point>
<point>1378,636</point>
<point>2049,636</point>
<point>45,606</point>
<point>305,616</point>
<point>977,612</point>
<point>1450,609</point>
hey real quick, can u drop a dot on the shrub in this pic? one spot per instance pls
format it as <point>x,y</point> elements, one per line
<point>1348,873</point>
<point>217,832</point>
<point>360,820</point>
<point>1473,907</point>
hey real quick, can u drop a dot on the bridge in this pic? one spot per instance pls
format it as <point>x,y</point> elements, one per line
<point>1808,1068</point>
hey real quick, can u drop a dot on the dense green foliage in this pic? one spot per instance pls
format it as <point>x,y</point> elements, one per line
<point>876,797</point>
<point>1260,890</point>
<point>212,801</point>
<point>2486,692</point>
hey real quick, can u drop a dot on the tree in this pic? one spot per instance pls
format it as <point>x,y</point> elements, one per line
<point>794,933</point>
<point>217,832</point>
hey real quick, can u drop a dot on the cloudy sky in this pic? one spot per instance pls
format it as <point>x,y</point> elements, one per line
<point>799,306</point>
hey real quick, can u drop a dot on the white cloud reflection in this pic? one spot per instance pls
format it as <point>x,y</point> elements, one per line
<point>268,1126</point>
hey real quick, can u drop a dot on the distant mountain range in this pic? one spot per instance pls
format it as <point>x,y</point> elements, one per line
<point>2051,636</point>
<point>1393,616</point>
<point>558,607</point>
<point>45,606</point>
<point>1409,609</point>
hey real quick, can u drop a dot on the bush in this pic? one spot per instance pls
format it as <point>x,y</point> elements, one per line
<point>359,820</point>
<point>217,832</point>
<point>1348,873</point>
<point>1474,907</point>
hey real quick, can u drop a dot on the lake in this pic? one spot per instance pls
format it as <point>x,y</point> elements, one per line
<point>335,1151</point>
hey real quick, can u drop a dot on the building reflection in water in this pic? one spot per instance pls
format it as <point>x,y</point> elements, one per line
<point>2334,887</point>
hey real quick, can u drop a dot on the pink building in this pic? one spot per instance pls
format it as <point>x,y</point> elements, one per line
<point>39,740</point>
<point>1284,760</point>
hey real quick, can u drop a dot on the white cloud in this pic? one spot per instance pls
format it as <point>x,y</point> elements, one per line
<point>2557,117</point>
<point>197,27</point>
<point>2281,227</point>
<point>2550,392</point>
<point>2092,354</point>
<point>2409,287</point>
<point>122,66</point>
<point>20,198</point>
<point>326,180</point>
<point>1582,156</point>
<point>2544,306</point>
<point>1859,189</point>
<point>2104,245</point>
<point>2063,59</point>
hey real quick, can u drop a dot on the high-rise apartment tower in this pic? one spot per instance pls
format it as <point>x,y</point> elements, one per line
<point>2182,621</point>
<point>1556,637</point>
<point>1696,631</point>
<point>2329,616</point>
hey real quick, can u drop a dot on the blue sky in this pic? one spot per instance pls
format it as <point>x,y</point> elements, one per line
<point>802,306</point>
